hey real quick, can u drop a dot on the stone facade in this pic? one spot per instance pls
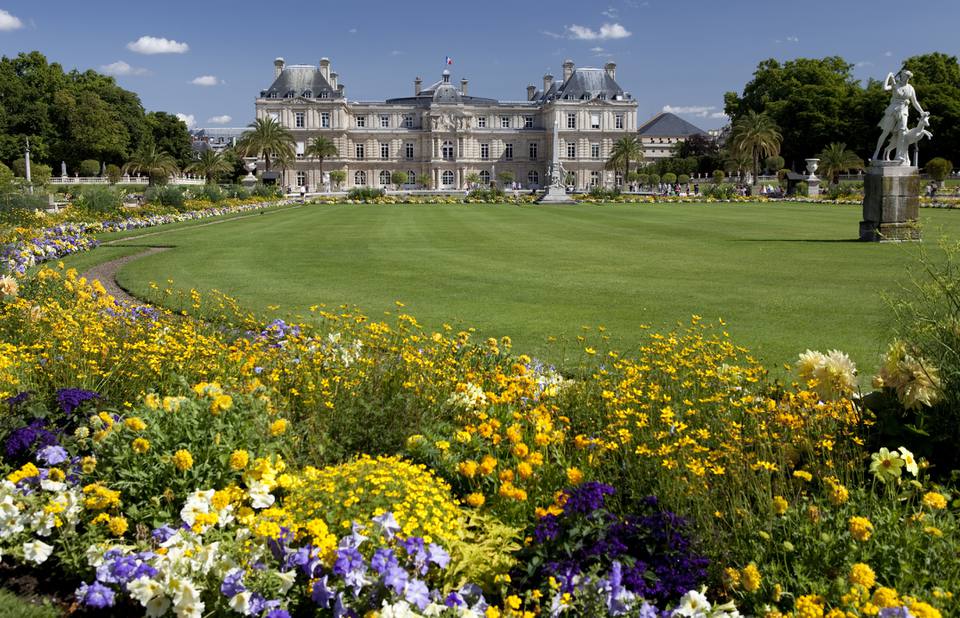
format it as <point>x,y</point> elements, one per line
<point>891,202</point>
<point>441,135</point>
<point>660,135</point>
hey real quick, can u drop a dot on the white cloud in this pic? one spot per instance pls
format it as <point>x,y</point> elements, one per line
<point>9,22</point>
<point>157,45</point>
<point>552,35</point>
<point>122,68</point>
<point>206,80</point>
<point>701,111</point>
<point>220,119</point>
<point>352,30</point>
<point>188,119</point>
<point>793,39</point>
<point>396,52</point>
<point>718,115</point>
<point>862,64</point>
<point>597,50</point>
<point>607,31</point>
<point>888,53</point>
<point>611,12</point>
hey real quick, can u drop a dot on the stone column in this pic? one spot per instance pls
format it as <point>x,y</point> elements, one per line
<point>891,202</point>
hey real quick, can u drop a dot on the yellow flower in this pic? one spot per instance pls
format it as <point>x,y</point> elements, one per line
<point>514,602</point>
<point>933,500</point>
<point>521,450</point>
<point>924,610</point>
<point>750,576</point>
<point>933,531</point>
<point>239,460</point>
<point>838,494</point>
<point>731,578</point>
<point>467,468</point>
<point>140,446</point>
<point>803,475</point>
<point>152,401</point>
<point>475,499</point>
<point>118,526</point>
<point>885,597</point>
<point>780,505</point>
<point>861,574</point>
<point>487,465</point>
<point>182,460</point>
<point>810,606</point>
<point>220,403</point>
<point>135,424</point>
<point>278,427</point>
<point>574,476</point>
<point>443,445</point>
<point>860,528</point>
<point>88,464</point>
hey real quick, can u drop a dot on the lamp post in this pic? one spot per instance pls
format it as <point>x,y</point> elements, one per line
<point>27,161</point>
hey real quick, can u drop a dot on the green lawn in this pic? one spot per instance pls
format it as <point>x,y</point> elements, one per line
<point>784,277</point>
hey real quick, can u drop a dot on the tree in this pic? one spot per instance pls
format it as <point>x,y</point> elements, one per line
<point>683,179</point>
<point>398,178</point>
<point>624,150</point>
<point>114,173</point>
<point>938,168</point>
<point>171,135</point>
<point>211,165</point>
<point>757,135</point>
<point>936,78</point>
<point>158,165</point>
<point>321,148</point>
<point>505,177</point>
<point>719,176</point>
<point>89,168</point>
<point>266,138</point>
<point>772,164</point>
<point>473,179</point>
<point>835,159</point>
<point>571,179</point>
<point>669,178</point>
<point>337,177</point>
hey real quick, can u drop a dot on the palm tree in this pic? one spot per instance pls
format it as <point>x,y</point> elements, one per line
<point>735,161</point>
<point>757,135</point>
<point>624,150</point>
<point>835,159</point>
<point>158,165</point>
<point>210,164</point>
<point>266,137</point>
<point>322,148</point>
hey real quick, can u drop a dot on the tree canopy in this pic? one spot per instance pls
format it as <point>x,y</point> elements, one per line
<point>72,116</point>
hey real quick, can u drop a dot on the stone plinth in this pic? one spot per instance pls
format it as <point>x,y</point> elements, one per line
<point>556,195</point>
<point>813,186</point>
<point>891,202</point>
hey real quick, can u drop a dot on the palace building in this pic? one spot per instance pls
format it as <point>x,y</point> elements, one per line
<point>443,137</point>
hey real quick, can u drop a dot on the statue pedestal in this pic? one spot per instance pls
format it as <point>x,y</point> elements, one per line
<point>556,195</point>
<point>813,187</point>
<point>891,202</point>
<point>248,181</point>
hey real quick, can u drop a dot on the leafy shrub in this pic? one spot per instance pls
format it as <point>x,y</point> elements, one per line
<point>801,189</point>
<point>683,179</point>
<point>266,191</point>
<point>602,193</point>
<point>669,178</point>
<point>165,196</point>
<point>18,208</point>
<point>114,173</point>
<point>494,194</point>
<point>89,168</point>
<point>99,200</point>
<point>237,191</point>
<point>209,193</point>
<point>722,191</point>
<point>364,193</point>
<point>719,176</point>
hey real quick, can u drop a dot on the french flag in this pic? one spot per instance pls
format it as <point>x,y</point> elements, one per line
<point>449,60</point>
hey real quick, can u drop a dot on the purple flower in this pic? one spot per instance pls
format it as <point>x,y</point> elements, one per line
<point>163,533</point>
<point>71,398</point>
<point>454,600</point>
<point>232,583</point>
<point>23,439</point>
<point>383,559</point>
<point>95,595</point>
<point>895,612</point>
<point>351,566</point>
<point>53,455</point>
<point>417,593</point>
<point>396,579</point>
<point>321,593</point>
<point>387,524</point>
<point>587,498</point>
<point>17,399</point>
<point>306,558</point>
<point>278,613</point>
<point>257,604</point>
<point>438,555</point>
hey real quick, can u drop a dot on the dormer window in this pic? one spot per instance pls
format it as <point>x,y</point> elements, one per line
<point>324,94</point>
<point>308,94</point>
<point>272,95</point>
<point>290,95</point>
<point>585,96</point>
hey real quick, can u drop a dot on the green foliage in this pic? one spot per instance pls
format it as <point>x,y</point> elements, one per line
<point>99,200</point>
<point>267,191</point>
<point>170,134</point>
<point>114,173</point>
<point>772,164</point>
<point>364,193</point>
<point>89,168</point>
<point>6,178</point>
<point>398,178</point>
<point>237,191</point>
<point>165,196</point>
<point>683,179</point>
<point>719,176</point>
<point>669,178</point>
<point>835,159</point>
<point>936,78</point>
<point>267,138</point>
<point>505,177</point>
<point>938,168</point>
<point>721,191</point>
<point>625,150</point>
<point>211,165</point>
<point>337,177</point>
<point>654,179</point>
<point>570,179</point>
<point>492,194</point>
<point>21,209</point>
<point>801,189</point>
<point>12,606</point>
<point>155,163</point>
<point>485,548</point>
<point>209,193</point>
<point>755,135</point>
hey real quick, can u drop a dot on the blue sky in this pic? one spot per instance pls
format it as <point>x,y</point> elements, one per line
<point>210,58</point>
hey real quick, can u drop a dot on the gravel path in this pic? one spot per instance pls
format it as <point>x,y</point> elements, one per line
<point>106,273</point>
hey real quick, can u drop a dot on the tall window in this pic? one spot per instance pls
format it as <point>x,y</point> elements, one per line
<point>504,122</point>
<point>571,151</point>
<point>508,152</point>
<point>484,177</point>
<point>324,120</point>
<point>481,122</point>
<point>384,151</point>
<point>360,178</point>
<point>447,178</point>
<point>571,121</point>
<point>361,121</point>
<point>484,151</point>
<point>528,122</point>
<point>384,122</point>
<point>533,177</point>
<point>618,121</point>
<point>298,120</point>
<point>359,151</point>
<point>595,151</point>
<point>301,179</point>
<point>594,121</point>
<point>384,178</point>
<point>411,177</point>
<point>533,151</point>
<point>408,150</point>
<point>407,121</point>
<point>446,150</point>
<point>300,149</point>
<point>594,179</point>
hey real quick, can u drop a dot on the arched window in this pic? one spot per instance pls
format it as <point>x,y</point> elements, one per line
<point>447,178</point>
<point>384,178</point>
<point>411,177</point>
<point>360,178</point>
<point>446,150</point>
<point>485,177</point>
<point>533,177</point>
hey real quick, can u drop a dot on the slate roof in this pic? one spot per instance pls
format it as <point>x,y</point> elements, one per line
<point>589,83</point>
<point>666,124</point>
<point>299,81</point>
<point>442,92</point>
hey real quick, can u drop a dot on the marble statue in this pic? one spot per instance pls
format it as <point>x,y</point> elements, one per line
<point>895,117</point>
<point>910,138</point>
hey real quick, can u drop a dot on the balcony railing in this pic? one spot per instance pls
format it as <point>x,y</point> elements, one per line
<point>124,180</point>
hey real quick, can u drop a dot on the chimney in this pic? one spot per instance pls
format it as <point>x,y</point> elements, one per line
<point>333,80</point>
<point>325,68</point>
<point>340,89</point>
<point>277,67</point>
<point>567,70</point>
<point>611,69</point>
<point>463,86</point>
<point>547,83</point>
<point>417,85</point>
<point>531,91</point>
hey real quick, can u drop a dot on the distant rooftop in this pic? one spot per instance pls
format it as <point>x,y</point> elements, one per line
<point>666,124</point>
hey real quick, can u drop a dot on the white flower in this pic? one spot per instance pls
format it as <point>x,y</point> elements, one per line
<point>48,485</point>
<point>694,604</point>
<point>197,502</point>
<point>910,463</point>
<point>260,496</point>
<point>287,580</point>
<point>37,551</point>
<point>240,602</point>
<point>144,589</point>
<point>157,606</point>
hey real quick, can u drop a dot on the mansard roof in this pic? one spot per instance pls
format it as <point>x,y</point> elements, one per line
<point>442,92</point>
<point>299,80</point>
<point>666,124</point>
<point>589,83</point>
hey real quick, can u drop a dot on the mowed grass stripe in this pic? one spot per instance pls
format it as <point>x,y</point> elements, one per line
<point>785,277</point>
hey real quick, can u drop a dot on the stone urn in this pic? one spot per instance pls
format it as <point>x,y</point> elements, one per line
<point>812,166</point>
<point>249,164</point>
